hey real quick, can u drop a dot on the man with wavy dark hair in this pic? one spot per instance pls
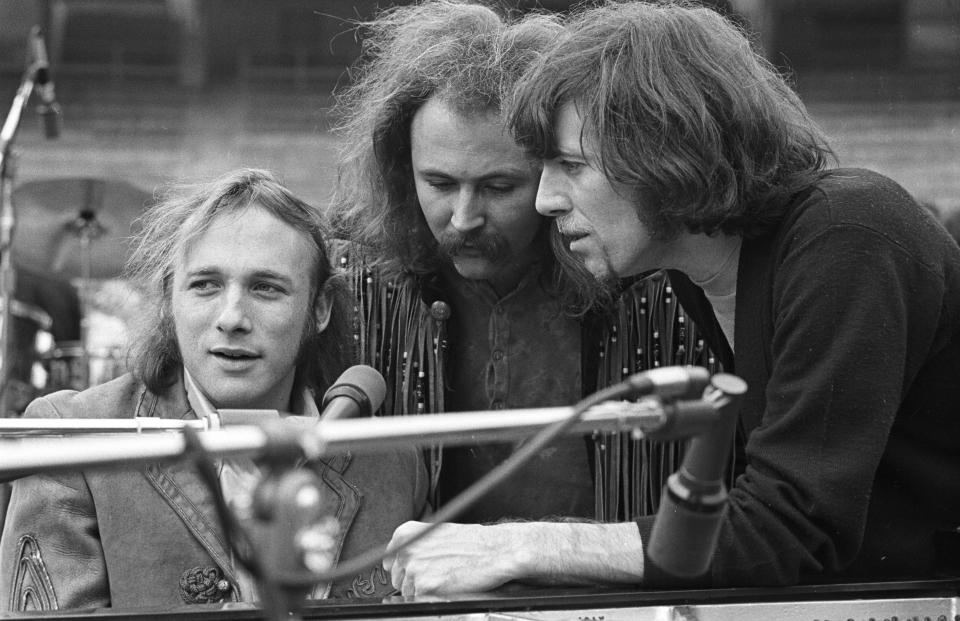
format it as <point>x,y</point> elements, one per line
<point>242,311</point>
<point>668,142</point>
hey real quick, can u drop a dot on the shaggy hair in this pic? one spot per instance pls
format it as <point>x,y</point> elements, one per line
<point>467,54</point>
<point>167,231</point>
<point>704,132</point>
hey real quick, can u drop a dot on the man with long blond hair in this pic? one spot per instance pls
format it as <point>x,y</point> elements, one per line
<point>242,312</point>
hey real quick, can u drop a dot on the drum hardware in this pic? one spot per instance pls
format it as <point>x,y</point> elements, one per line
<point>87,244</point>
<point>36,78</point>
<point>30,341</point>
<point>78,228</point>
<point>74,366</point>
<point>85,227</point>
<point>38,316</point>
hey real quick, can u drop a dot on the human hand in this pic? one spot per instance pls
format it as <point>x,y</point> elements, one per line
<point>453,558</point>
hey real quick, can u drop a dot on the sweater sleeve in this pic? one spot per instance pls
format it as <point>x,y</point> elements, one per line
<point>854,311</point>
<point>852,314</point>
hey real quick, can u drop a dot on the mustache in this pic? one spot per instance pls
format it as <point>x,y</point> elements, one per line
<point>491,246</point>
<point>564,227</point>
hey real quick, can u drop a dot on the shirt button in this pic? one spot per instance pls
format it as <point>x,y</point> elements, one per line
<point>499,309</point>
<point>497,355</point>
<point>498,405</point>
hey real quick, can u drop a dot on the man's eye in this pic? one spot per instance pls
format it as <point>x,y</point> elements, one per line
<point>201,285</point>
<point>440,185</point>
<point>266,287</point>
<point>570,166</point>
<point>501,189</point>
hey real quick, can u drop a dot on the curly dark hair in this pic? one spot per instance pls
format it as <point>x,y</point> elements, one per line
<point>683,111</point>
<point>469,55</point>
<point>184,214</point>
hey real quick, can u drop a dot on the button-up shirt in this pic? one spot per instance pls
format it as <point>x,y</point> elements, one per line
<point>512,352</point>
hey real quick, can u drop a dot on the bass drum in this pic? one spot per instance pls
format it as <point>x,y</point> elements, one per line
<point>69,367</point>
<point>75,365</point>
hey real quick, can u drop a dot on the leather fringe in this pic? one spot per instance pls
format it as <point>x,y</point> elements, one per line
<point>398,334</point>
<point>647,329</point>
<point>401,333</point>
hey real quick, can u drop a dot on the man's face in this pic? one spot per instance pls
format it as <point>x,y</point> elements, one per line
<point>597,218</point>
<point>241,303</point>
<point>476,188</point>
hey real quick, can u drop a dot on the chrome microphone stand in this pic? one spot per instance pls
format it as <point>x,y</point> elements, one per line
<point>8,219</point>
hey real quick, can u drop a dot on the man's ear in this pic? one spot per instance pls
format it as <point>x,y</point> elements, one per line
<point>322,309</point>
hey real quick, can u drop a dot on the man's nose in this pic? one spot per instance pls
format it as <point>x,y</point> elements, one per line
<point>233,315</point>
<point>468,214</point>
<point>550,201</point>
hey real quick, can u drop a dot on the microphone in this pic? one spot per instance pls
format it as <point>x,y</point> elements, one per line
<point>358,392</point>
<point>670,382</point>
<point>694,504</point>
<point>48,109</point>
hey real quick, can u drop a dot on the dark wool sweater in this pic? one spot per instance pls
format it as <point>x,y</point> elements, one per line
<point>848,335</point>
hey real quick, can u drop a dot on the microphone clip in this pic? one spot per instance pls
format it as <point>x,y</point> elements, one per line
<point>38,65</point>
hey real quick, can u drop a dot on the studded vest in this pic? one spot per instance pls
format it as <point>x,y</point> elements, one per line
<point>401,328</point>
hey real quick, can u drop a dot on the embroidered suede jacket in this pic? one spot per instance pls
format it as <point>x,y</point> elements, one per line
<point>149,537</point>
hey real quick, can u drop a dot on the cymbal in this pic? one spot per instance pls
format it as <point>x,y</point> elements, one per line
<point>56,218</point>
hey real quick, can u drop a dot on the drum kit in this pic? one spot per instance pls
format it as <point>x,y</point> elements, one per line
<point>70,308</point>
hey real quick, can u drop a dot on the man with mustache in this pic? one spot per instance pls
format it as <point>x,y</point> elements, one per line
<point>462,304</point>
<point>453,225</point>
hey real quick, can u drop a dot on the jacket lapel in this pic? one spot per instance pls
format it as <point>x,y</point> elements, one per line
<point>181,487</point>
<point>342,501</point>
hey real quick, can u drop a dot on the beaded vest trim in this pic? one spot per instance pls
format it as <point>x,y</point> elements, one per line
<point>398,334</point>
<point>404,336</point>
<point>646,329</point>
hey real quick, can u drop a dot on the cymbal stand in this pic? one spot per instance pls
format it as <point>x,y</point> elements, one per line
<point>8,219</point>
<point>87,228</point>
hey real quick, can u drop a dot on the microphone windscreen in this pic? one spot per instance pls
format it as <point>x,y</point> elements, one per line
<point>364,379</point>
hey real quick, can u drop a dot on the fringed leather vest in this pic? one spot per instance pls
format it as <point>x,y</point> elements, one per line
<point>400,329</point>
<point>647,328</point>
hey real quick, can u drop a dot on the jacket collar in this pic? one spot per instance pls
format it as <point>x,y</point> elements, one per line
<point>179,484</point>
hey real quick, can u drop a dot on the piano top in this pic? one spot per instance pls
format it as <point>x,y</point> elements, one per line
<point>930,600</point>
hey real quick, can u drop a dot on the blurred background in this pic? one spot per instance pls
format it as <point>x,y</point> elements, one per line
<point>159,90</point>
<point>154,90</point>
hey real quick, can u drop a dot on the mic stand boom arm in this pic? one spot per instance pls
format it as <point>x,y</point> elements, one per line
<point>144,440</point>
